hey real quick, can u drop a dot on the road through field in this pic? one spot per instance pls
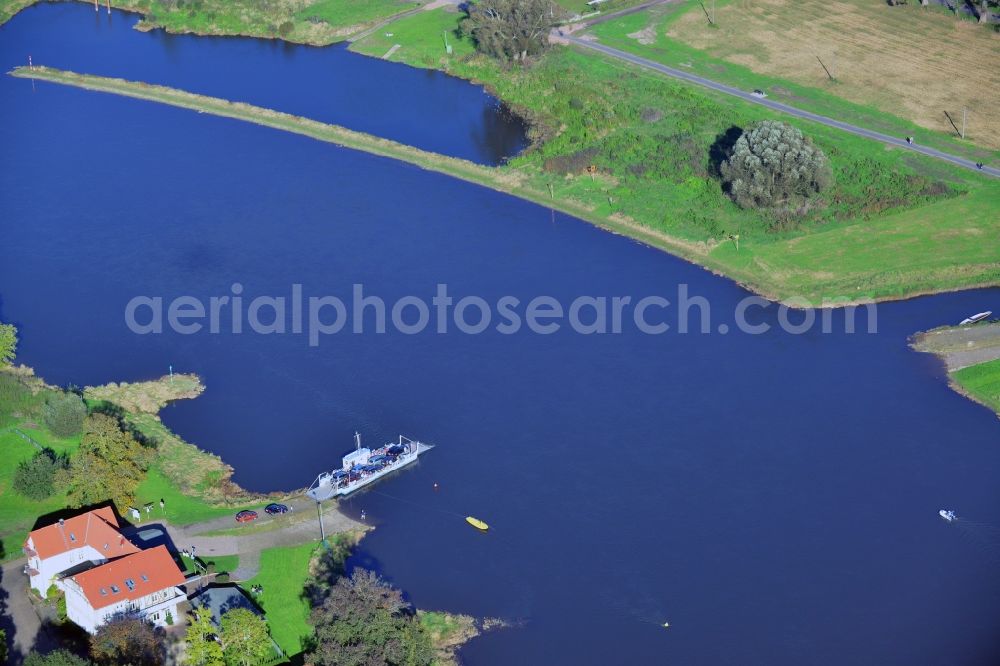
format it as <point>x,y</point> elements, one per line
<point>899,142</point>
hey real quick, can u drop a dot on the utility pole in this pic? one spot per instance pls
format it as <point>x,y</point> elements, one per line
<point>964,109</point>
<point>834,65</point>
<point>319,511</point>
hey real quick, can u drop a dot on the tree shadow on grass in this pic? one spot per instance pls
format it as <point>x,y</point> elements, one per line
<point>721,149</point>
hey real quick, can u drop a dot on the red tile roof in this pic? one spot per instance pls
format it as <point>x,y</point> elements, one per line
<point>97,528</point>
<point>133,576</point>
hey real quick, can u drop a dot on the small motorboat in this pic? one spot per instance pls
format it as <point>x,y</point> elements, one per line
<point>978,317</point>
<point>478,524</point>
<point>948,515</point>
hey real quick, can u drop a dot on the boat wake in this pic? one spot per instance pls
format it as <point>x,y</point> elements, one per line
<point>984,536</point>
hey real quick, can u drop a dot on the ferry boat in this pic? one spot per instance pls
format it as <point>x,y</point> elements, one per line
<point>948,515</point>
<point>363,466</point>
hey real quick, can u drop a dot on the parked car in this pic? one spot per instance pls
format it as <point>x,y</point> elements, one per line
<point>246,516</point>
<point>759,93</point>
<point>274,509</point>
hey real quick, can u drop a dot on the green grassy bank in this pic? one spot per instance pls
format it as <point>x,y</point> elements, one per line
<point>894,225</point>
<point>971,355</point>
<point>981,382</point>
<point>317,22</point>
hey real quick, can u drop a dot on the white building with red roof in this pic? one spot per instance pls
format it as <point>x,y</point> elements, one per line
<point>76,543</point>
<point>102,573</point>
<point>143,585</point>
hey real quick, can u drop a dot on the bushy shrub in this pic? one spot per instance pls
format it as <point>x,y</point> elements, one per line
<point>57,658</point>
<point>61,613</point>
<point>36,478</point>
<point>8,343</point>
<point>511,29</point>
<point>774,166</point>
<point>16,399</point>
<point>64,413</point>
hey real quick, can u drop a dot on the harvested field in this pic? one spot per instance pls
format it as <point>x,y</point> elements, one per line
<point>911,61</point>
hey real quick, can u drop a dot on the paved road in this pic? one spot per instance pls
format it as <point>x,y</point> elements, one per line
<point>777,106</point>
<point>19,618</point>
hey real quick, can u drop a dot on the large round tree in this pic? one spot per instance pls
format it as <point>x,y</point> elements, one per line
<point>511,29</point>
<point>773,165</point>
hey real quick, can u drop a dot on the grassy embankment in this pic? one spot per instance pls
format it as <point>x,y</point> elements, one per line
<point>982,383</point>
<point>193,484</point>
<point>971,355</point>
<point>864,62</point>
<point>895,224</point>
<point>316,22</point>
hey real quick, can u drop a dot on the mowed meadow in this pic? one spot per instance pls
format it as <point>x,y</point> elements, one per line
<point>916,62</point>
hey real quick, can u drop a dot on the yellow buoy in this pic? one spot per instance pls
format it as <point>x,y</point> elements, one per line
<point>478,524</point>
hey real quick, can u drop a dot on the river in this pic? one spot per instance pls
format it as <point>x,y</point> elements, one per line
<point>774,497</point>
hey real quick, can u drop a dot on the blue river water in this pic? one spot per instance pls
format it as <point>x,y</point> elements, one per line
<point>774,497</point>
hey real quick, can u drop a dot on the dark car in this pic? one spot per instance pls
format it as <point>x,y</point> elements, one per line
<point>246,516</point>
<point>274,509</point>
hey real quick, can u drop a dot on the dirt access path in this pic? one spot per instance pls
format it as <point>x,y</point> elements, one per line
<point>961,346</point>
<point>224,536</point>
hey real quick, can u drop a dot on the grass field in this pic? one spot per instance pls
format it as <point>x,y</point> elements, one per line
<point>222,563</point>
<point>304,21</point>
<point>908,61</point>
<point>982,382</point>
<point>424,37</point>
<point>18,514</point>
<point>179,509</point>
<point>283,575</point>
